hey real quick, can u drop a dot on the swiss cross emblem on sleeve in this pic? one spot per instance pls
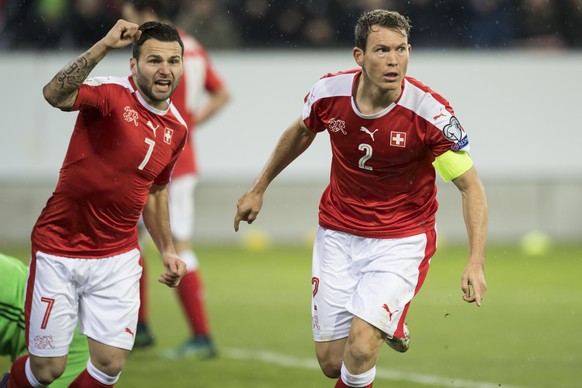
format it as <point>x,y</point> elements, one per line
<point>397,139</point>
<point>168,135</point>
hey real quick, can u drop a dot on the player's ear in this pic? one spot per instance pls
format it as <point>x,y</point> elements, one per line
<point>133,66</point>
<point>358,56</point>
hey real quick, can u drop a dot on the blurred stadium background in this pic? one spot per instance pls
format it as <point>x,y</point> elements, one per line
<point>511,70</point>
<point>519,108</point>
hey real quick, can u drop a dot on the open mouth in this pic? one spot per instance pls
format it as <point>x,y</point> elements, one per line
<point>163,85</point>
<point>392,76</point>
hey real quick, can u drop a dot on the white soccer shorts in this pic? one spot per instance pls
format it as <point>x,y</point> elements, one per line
<point>373,279</point>
<point>181,204</point>
<point>102,294</point>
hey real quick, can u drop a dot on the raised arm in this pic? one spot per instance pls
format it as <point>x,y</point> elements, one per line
<point>157,221</point>
<point>296,139</point>
<point>475,214</point>
<point>61,91</point>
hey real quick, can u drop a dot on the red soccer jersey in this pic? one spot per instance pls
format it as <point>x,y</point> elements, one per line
<point>120,147</point>
<point>199,76</point>
<point>382,181</point>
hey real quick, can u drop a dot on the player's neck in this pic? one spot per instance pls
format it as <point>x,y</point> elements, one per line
<point>159,105</point>
<point>370,99</point>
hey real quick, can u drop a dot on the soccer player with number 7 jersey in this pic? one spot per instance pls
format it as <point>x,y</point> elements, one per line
<point>84,265</point>
<point>389,133</point>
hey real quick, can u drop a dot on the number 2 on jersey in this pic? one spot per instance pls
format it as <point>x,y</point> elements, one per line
<point>151,144</point>
<point>367,155</point>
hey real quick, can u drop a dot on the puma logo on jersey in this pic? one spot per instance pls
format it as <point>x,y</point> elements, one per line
<point>127,330</point>
<point>151,126</point>
<point>441,114</point>
<point>364,129</point>
<point>390,313</point>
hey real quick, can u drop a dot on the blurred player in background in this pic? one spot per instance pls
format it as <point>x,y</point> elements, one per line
<point>84,265</point>
<point>376,235</point>
<point>13,275</point>
<point>200,94</point>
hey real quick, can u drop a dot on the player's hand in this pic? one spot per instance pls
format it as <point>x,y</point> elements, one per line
<point>175,269</point>
<point>247,208</point>
<point>122,34</point>
<point>473,283</point>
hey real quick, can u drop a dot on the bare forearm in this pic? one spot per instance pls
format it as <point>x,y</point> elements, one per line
<point>157,221</point>
<point>61,91</point>
<point>294,141</point>
<point>475,211</point>
<point>475,214</point>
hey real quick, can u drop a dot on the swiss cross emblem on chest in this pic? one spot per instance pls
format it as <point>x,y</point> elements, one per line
<point>397,139</point>
<point>168,135</point>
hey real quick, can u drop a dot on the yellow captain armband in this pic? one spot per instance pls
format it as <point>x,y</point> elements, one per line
<point>451,164</point>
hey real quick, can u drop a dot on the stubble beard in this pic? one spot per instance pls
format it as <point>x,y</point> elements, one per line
<point>147,89</point>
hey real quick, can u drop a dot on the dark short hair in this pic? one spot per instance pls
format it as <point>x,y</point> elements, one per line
<point>382,18</point>
<point>159,31</point>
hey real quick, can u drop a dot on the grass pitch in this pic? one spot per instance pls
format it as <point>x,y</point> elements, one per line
<point>527,334</point>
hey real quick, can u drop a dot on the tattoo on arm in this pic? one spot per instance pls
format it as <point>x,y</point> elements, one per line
<point>62,89</point>
<point>72,76</point>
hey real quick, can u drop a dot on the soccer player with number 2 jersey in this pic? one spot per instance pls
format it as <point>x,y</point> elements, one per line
<point>389,133</point>
<point>84,265</point>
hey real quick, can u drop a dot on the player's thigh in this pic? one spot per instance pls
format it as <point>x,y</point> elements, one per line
<point>333,284</point>
<point>51,304</point>
<point>393,272</point>
<point>181,205</point>
<point>108,309</point>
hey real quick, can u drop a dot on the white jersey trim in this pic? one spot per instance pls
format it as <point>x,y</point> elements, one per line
<point>338,86</point>
<point>421,102</point>
<point>335,86</point>
<point>424,105</point>
<point>374,115</point>
<point>176,113</point>
<point>124,82</point>
<point>121,81</point>
<point>159,112</point>
<point>433,111</point>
